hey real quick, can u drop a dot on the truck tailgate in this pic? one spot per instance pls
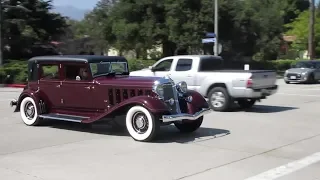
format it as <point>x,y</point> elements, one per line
<point>263,79</point>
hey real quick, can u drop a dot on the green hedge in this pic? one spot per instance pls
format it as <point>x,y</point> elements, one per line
<point>18,69</point>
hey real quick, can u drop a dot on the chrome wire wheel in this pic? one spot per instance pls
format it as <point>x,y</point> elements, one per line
<point>217,99</point>
<point>29,110</point>
<point>140,122</point>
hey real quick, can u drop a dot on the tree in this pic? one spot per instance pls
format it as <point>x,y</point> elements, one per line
<point>298,28</point>
<point>22,29</point>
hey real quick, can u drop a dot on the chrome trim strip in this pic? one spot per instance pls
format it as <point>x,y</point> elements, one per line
<point>184,116</point>
<point>58,118</point>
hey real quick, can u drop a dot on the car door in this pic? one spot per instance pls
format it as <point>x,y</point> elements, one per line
<point>49,83</point>
<point>162,68</point>
<point>183,71</point>
<point>317,71</point>
<point>77,91</point>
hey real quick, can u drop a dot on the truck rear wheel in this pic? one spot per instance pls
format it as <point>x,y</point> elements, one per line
<point>219,99</point>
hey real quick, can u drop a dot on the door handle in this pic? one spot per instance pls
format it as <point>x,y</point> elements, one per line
<point>88,87</point>
<point>58,86</point>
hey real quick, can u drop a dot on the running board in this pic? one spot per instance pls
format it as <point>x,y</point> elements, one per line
<point>63,117</point>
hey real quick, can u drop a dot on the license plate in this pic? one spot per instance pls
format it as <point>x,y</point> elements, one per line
<point>293,77</point>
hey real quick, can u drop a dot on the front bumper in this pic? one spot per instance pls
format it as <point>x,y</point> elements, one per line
<point>302,79</point>
<point>184,116</point>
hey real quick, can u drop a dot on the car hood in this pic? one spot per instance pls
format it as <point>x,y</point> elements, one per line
<point>127,81</point>
<point>299,70</point>
<point>138,71</point>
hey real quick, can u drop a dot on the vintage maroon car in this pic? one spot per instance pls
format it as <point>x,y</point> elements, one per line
<point>91,89</point>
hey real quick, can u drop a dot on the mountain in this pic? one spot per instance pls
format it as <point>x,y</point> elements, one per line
<point>71,11</point>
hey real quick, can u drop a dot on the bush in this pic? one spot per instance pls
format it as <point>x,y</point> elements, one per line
<point>14,72</point>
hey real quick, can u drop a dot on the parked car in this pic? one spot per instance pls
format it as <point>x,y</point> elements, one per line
<point>307,71</point>
<point>206,75</point>
<point>95,89</point>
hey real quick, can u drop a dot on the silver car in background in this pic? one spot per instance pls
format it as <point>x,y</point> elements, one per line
<point>307,71</point>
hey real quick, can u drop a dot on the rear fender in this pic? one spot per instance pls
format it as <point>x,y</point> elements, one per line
<point>27,93</point>
<point>154,105</point>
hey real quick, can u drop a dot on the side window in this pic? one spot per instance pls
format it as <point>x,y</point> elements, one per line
<point>164,65</point>
<point>184,65</point>
<point>76,73</point>
<point>210,64</point>
<point>49,72</point>
<point>317,65</point>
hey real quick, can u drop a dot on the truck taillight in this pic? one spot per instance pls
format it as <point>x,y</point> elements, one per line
<point>249,83</point>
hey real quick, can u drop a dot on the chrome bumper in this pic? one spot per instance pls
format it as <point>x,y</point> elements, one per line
<point>14,102</point>
<point>184,116</point>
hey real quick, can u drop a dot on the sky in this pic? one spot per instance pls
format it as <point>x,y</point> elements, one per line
<point>81,4</point>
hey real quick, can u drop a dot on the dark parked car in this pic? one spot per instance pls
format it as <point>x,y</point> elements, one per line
<point>90,89</point>
<point>307,71</point>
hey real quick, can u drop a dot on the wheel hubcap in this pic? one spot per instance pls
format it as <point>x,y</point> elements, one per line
<point>29,110</point>
<point>140,122</point>
<point>218,99</point>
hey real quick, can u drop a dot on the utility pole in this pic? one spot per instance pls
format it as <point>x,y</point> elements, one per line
<point>311,29</point>
<point>1,49</point>
<point>216,27</point>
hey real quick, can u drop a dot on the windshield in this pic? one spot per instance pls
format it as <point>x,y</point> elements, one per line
<point>105,68</point>
<point>311,65</point>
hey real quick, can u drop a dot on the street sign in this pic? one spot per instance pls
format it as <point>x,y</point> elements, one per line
<point>210,34</point>
<point>209,40</point>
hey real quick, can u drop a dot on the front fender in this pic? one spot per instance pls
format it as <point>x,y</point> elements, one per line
<point>26,93</point>
<point>198,102</point>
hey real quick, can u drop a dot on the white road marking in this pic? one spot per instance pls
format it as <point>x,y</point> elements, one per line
<point>300,89</point>
<point>302,95</point>
<point>288,168</point>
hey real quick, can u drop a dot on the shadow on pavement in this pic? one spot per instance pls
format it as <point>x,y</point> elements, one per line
<point>268,109</point>
<point>167,134</point>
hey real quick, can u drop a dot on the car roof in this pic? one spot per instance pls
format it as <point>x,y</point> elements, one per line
<point>79,58</point>
<point>192,56</point>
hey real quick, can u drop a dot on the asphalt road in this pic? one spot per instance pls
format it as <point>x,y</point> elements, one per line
<point>279,138</point>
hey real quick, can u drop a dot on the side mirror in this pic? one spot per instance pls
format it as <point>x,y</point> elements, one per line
<point>151,68</point>
<point>78,78</point>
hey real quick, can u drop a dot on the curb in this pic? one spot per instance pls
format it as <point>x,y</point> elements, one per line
<point>13,85</point>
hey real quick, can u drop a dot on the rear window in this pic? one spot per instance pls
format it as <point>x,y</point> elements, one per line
<point>210,64</point>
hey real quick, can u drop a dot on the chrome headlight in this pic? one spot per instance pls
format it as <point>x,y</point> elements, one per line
<point>158,89</point>
<point>182,87</point>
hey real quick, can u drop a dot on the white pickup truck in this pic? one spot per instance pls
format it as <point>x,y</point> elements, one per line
<point>205,74</point>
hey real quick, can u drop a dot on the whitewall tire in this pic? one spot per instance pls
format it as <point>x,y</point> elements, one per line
<point>141,124</point>
<point>29,112</point>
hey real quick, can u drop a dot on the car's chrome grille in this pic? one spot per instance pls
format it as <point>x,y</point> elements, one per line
<point>171,93</point>
<point>296,75</point>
